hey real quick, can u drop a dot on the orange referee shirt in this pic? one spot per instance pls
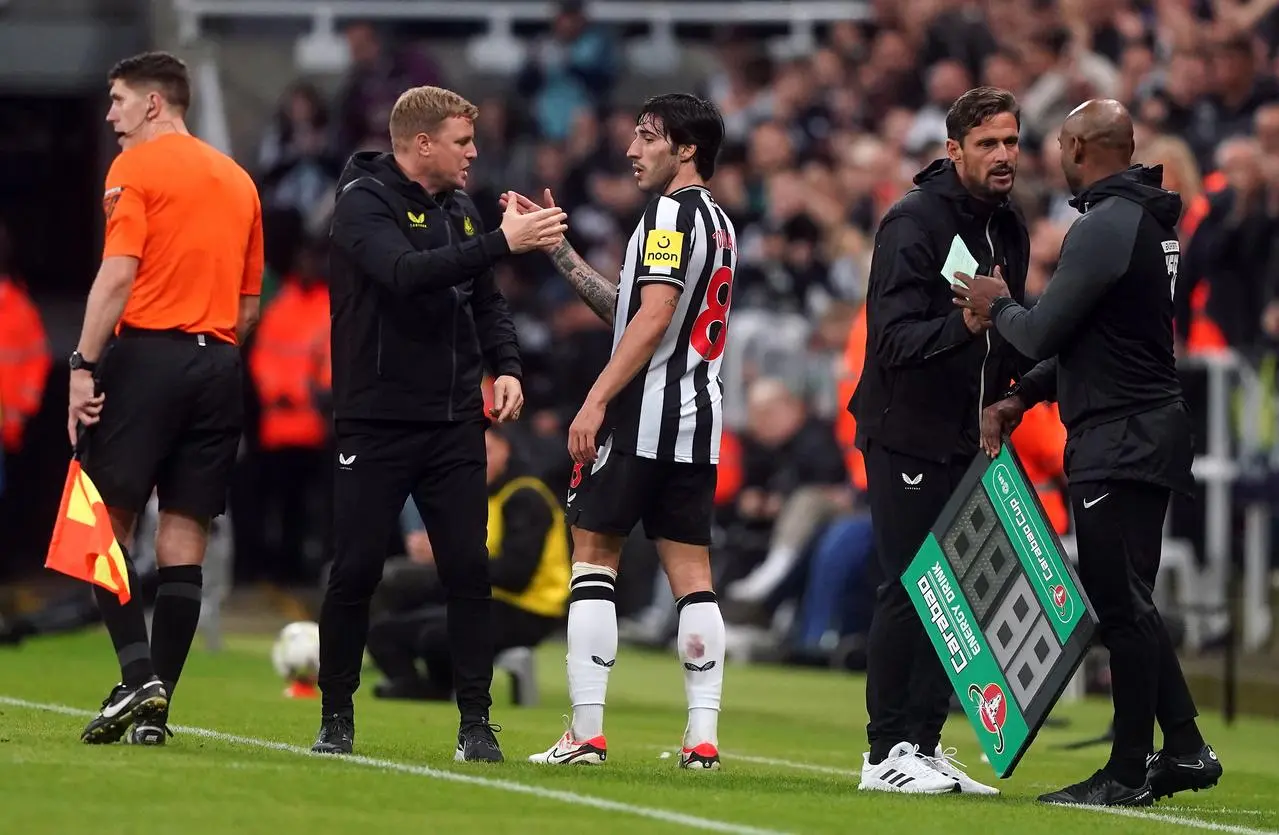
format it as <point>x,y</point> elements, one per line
<point>192,217</point>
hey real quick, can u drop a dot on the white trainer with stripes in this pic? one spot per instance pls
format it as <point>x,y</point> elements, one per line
<point>907,771</point>
<point>946,763</point>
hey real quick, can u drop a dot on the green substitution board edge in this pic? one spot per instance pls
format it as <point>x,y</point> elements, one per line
<point>969,663</point>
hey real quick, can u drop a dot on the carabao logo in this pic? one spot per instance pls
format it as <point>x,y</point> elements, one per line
<point>992,708</point>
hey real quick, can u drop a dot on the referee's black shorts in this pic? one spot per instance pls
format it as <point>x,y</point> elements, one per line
<point>171,421</point>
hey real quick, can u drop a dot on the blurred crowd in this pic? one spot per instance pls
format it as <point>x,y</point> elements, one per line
<point>818,146</point>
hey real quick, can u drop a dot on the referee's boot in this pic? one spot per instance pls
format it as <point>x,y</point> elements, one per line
<point>152,732</point>
<point>148,733</point>
<point>1168,775</point>
<point>336,736</point>
<point>476,742</point>
<point>122,708</point>
<point>1101,790</point>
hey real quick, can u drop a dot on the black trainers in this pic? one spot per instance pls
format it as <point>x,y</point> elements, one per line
<point>476,742</point>
<point>148,733</point>
<point>1100,790</point>
<point>122,708</point>
<point>1168,775</point>
<point>337,735</point>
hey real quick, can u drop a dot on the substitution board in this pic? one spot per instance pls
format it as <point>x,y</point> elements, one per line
<point>1002,605</point>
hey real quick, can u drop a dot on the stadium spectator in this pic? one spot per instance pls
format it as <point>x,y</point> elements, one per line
<point>1233,243</point>
<point>296,164</point>
<point>289,366</point>
<point>24,355</point>
<point>572,69</point>
<point>793,484</point>
<point>379,74</point>
<point>528,552</point>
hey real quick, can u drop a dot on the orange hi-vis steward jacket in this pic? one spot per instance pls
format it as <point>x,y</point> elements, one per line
<point>289,364</point>
<point>24,361</point>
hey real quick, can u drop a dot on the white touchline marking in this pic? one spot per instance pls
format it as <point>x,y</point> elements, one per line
<point>1177,819</point>
<point>1216,809</point>
<point>1109,810</point>
<point>690,821</point>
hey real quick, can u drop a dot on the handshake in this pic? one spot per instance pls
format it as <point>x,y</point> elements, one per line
<point>528,226</point>
<point>975,295</point>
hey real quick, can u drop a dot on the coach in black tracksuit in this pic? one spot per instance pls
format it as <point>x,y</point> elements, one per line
<point>1104,331</point>
<point>416,317</point>
<point>929,371</point>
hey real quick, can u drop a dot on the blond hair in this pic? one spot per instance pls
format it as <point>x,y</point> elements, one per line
<point>424,109</point>
<point>1175,155</point>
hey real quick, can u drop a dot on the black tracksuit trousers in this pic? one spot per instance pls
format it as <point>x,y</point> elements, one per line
<point>443,466</point>
<point>907,690</point>
<point>1119,533</point>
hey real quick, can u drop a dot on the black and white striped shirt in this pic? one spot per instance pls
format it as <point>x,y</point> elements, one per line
<point>671,410</point>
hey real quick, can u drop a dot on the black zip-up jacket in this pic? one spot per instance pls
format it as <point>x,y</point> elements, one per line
<point>416,311</point>
<point>926,377</point>
<point>1104,328</point>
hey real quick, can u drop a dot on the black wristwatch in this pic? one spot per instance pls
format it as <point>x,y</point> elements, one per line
<point>1016,390</point>
<point>79,363</point>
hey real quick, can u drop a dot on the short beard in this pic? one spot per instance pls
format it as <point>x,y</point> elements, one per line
<point>981,191</point>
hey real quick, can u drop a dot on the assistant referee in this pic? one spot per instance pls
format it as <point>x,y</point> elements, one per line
<point>416,317</point>
<point>178,287</point>
<point>1104,332</point>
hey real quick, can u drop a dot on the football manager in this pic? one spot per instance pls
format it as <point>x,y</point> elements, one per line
<point>1103,330</point>
<point>930,369</point>
<point>416,318</point>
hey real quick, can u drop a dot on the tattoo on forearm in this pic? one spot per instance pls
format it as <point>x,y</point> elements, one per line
<point>598,292</point>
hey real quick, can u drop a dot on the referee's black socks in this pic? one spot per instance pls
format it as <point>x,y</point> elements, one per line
<point>176,617</point>
<point>127,626</point>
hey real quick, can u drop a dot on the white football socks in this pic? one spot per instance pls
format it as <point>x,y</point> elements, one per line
<point>701,651</point>
<point>592,645</point>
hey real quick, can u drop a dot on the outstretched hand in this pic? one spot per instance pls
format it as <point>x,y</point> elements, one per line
<point>528,226</point>
<point>525,206</point>
<point>978,293</point>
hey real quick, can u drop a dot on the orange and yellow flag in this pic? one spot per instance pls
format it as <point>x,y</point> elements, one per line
<point>83,545</point>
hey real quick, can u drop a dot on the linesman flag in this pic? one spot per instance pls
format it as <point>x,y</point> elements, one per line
<point>83,545</point>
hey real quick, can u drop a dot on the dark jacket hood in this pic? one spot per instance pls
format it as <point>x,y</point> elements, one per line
<point>941,178</point>
<point>381,166</point>
<point>1141,185</point>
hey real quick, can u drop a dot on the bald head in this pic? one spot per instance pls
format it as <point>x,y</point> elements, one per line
<point>1103,122</point>
<point>1096,141</point>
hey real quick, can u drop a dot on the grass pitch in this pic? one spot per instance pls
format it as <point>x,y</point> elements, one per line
<point>792,742</point>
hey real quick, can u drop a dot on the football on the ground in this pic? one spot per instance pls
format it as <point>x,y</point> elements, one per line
<point>296,654</point>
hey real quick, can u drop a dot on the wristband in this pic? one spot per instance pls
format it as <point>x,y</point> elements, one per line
<point>1018,391</point>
